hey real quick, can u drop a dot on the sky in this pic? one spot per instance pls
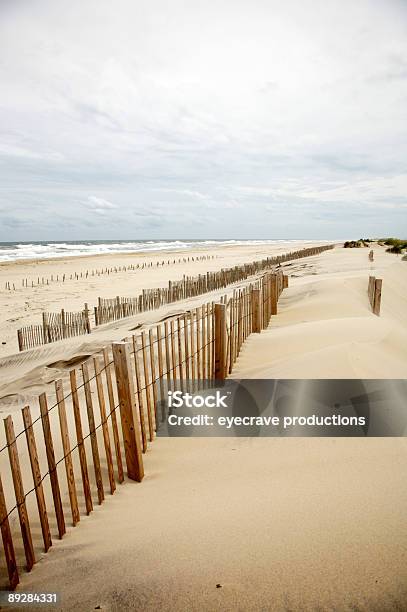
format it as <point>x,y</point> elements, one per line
<point>191,119</point>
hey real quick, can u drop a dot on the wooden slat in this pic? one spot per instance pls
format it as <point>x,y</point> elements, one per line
<point>193,355</point>
<point>231,334</point>
<point>92,431</point>
<point>79,439</point>
<point>139,395</point>
<point>377,297</point>
<point>220,341</point>
<point>198,344</point>
<point>36,474</point>
<point>105,430</point>
<point>186,351</point>
<point>208,340</point>
<point>167,354</point>
<point>116,438</point>
<point>180,356</point>
<point>173,355</point>
<point>153,375</point>
<point>66,445</point>
<point>129,417</point>
<point>8,545</point>
<point>52,468</point>
<point>147,387</point>
<point>203,332</point>
<point>160,369</point>
<point>19,492</point>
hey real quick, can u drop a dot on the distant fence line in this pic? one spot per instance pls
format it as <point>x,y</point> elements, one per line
<point>374,292</point>
<point>55,278</point>
<point>116,308</point>
<point>126,381</point>
<point>109,310</point>
<point>55,326</point>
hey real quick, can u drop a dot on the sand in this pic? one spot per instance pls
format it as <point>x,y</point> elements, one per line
<point>279,524</point>
<point>325,327</point>
<point>20,373</point>
<point>25,305</point>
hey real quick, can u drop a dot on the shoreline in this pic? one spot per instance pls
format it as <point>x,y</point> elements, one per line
<point>24,305</point>
<point>157,252</point>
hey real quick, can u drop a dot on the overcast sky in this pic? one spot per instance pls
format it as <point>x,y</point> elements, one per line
<point>191,118</point>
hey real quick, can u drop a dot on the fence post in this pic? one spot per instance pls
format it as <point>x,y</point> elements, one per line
<point>273,294</point>
<point>63,322</point>
<point>129,419</point>
<point>8,542</point>
<point>87,322</point>
<point>285,281</point>
<point>256,303</point>
<point>36,474</point>
<point>19,492</point>
<point>44,327</point>
<point>265,301</point>
<point>52,466</point>
<point>369,290</point>
<point>377,296</point>
<point>220,341</point>
<point>20,339</point>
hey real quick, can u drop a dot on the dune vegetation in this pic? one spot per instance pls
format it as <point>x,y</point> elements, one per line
<point>395,245</point>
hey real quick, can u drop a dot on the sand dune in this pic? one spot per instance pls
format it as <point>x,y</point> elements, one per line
<point>325,327</point>
<point>25,305</point>
<point>21,373</point>
<point>251,523</point>
<point>282,524</point>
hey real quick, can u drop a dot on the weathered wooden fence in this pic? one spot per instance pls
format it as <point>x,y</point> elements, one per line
<point>55,326</point>
<point>43,281</point>
<point>374,292</point>
<point>66,325</point>
<point>100,418</point>
<point>119,307</point>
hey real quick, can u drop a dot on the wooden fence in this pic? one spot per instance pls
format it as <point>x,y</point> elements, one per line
<point>55,326</point>
<point>119,307</point>
<point>111,402</point>
<point>66,325</point>
<point>374,292</point>
<point>43,281</point>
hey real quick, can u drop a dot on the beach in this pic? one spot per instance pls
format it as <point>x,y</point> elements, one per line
<point>24,305</point>
<point>278,524</point>
<point>245,523</point>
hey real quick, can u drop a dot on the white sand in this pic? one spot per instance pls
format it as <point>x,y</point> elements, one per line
<point>325,327</point>
<point>25,305</point>
<point>22,374</point>
<point>281,524</point>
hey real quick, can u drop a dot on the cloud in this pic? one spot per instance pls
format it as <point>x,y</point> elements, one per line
<point>238,106</point>
<point>98,205</point>
<point>95,202</point>
<point>187,192</point>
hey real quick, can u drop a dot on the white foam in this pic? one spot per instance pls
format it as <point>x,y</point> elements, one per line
<point>50,250</point>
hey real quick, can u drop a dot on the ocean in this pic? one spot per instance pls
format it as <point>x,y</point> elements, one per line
<point>15,251</point>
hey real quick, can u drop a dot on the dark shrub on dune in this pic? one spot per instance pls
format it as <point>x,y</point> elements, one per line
<point>357,244</point>
<point>396,245</point>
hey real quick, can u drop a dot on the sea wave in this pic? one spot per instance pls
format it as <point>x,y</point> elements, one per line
<point>49,250</point>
